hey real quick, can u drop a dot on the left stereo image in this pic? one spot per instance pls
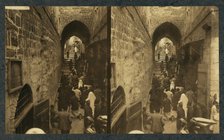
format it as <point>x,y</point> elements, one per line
<point>56,69</point>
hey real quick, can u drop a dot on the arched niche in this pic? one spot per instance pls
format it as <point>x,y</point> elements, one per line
<point>118,111</point>
<point>117,99</point>
<point>24,110</point>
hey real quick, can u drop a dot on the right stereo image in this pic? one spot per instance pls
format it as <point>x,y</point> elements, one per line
<point>164,70</point>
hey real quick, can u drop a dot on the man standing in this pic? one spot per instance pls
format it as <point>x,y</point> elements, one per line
<point>190,95</point>
<point>155,81</point>
<point>91,98</point>
<point>180,115</point>
<point>75,105</point>
<point>87,113</point>
<point>184,100</point>
<point>166,51</point>
<point>172,83</point>
<point>166,57</point>
<point>161,66</point>
<point>166,82</point>
<point>169,94</point>
<point>158,122</point>
<point>158,56</point>
<point>64,96</point>
<point>153,99</point>
<point>167,107</point>
<point>176,98</point>
<point>65,121</point>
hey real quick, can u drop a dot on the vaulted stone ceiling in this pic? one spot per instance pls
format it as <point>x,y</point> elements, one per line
<point>67,14</point>
<point>156,15</point>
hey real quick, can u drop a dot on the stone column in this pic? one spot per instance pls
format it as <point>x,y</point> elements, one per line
<point>214,54</point>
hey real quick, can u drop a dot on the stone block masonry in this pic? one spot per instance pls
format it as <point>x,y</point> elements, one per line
<point>210,56</point>
<point>131,51</point>
<point>99,24</point>
<point>33,40</point>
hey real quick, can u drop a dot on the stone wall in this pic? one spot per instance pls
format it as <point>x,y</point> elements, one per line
<point>98,49</point>
<point>207,16</point>
<point>194,22</point>
<point>131,51</point>
<point>193,13</point>
<point>99,24</point>
<point>38,48</point>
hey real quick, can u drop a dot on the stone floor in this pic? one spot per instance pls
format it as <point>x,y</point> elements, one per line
<point>170,127</point>
<point>77,125</point>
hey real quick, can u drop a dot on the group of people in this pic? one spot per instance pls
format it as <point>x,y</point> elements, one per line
<point>169,102</point>
<point>74,96</point>
<point>170,65</point>
<point>161,102</point>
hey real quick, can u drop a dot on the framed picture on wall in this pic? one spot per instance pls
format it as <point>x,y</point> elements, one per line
<point>14,75</point>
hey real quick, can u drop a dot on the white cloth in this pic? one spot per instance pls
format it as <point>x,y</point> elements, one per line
<point>76,49</point>
<point>184,100</point>
<point>169,95</point>
<point>91,97</point>
<point>77,93</point>
<point>167,51</point>
<point>80,84</point>
<point>172,85</point>
<point>214,113</point>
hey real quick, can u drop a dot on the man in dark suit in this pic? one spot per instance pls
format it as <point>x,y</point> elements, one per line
<point>64,96</point>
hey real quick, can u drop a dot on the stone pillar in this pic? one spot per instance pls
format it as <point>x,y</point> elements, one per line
<point>214,54</point>
<point>214,59</point>
<point>206,67</point>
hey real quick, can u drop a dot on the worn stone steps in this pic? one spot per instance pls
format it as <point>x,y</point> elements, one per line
<point>157,70</point>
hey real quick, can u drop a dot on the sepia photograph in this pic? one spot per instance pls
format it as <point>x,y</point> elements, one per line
<point>164,70</point>
<point>56,69</point>
<point>117,69</point>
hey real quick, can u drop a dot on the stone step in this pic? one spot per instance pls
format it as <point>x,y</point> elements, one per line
<point>156,69</point>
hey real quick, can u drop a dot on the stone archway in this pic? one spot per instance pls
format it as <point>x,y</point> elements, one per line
<point>78,31</point>
<point>162,46</point>
<point>168,30</point>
